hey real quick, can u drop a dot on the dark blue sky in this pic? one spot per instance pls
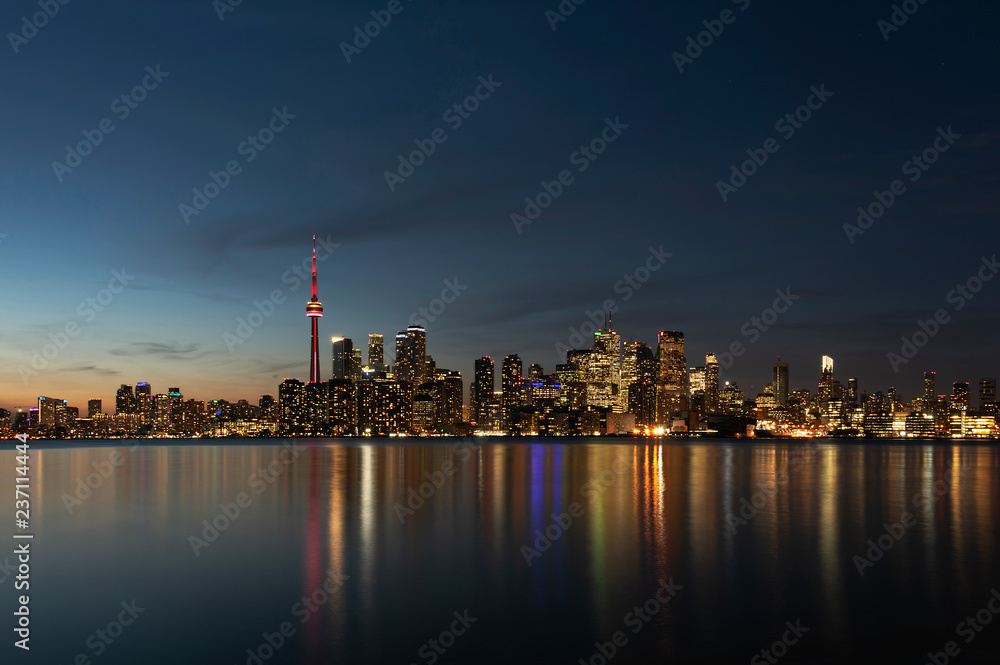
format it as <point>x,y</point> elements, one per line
<point>655,185</point>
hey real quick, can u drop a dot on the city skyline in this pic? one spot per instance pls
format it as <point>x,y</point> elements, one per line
<point>174,234</point>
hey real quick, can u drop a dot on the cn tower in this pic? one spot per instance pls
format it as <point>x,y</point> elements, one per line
<point>314,310</point>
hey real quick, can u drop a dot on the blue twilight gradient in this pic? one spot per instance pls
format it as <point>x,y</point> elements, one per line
<point>655,186</point>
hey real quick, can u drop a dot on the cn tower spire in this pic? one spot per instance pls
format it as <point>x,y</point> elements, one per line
<point>314,310</point>
<point>314,268</point>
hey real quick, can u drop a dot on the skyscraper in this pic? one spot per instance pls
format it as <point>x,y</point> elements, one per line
<point>176,402</point>
<point>343,349</point>
<point>314,311</point>
<point>376,358</point>
<point>482,389</point>
<point>825,391</point>
<point>124,400</point>
<point>144,402</point>
<point>960,395</point>
<point>604,376</point>
<point>779,383</point>
<point>268,408</point>
<point>711,383</point>
<point>929,394</point>
<point>672,377</point>
<point>510,386</point>
<point>988,396</point>
<point>93,408</point>
<point>411,355</point>
<point>48,410</point>
<point>292,407</point>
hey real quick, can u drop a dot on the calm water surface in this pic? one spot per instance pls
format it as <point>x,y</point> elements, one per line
<point>545,549</point>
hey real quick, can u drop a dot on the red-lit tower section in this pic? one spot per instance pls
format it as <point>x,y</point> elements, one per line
<point>314,310</point>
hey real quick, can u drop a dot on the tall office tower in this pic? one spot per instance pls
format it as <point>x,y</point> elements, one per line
<point>604,376</point>
<point>450,389</point>
<point>292,412</point>
<point>711,383</point>
<point>343,349</point>
<point>124,400</point>
<point>93,408</point>
<point>268,408</point>
<point>642,402</point>
<point>144,402</point>
<point>411,355</point>
<point>579,359</point>
<point>696,389</point>
<point>355,365</point>
<point>482,389</point>
<point>161,411</point>
<point>176,400</point>
<point>536,371</point>
<point>510,386</point>
<point>852,391</point>
<point>631,370</point>
<point>342,419</point>
<point>314,311</point>
<point>696,376</point>
<point>48,410</point>
<point>960,396</point>
<point>779,383</point>
<point>988,396</point>
<point>425,401</point>
<point>22,421</point>
<point>825,392</point>
<point>317,397</point>
<point>4,420</point>
<point>672,378</point>
<point>929,395</point>
<point>375,352</point>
